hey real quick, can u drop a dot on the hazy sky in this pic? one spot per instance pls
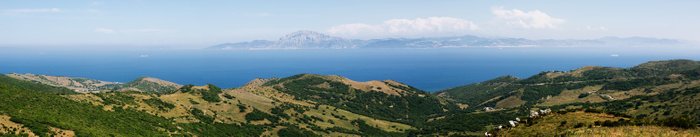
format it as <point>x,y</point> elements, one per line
<point>203,23</point>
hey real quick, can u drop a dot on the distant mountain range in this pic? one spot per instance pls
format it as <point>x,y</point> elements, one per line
<point>315,40</point>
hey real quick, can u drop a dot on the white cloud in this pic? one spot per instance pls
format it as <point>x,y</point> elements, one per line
<point>104,30</point>
<point>42,10</point>
<point>535,19</point>
<point>417,26</point>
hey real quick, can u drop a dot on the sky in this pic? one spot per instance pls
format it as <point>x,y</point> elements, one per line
<point>204,23</point>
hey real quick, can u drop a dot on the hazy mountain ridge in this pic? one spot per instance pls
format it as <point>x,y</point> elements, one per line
<point>315,40</point>
<point>85,85</point>
<point>295,40</point>
<point>73,83</point>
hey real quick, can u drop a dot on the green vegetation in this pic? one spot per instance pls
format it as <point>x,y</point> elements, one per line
<point>661,96</point>
<point>481,92</point>
<point>149,86</point>
<point>368,130</point>
<point>472,122</point>
<point>186,88</point>
<point>583,95</point>
<point>163,106</point>
<point>259,115</point>
<point>211,95</point>
<point>199,114</point>
<point>224,130</point>
<point>38,107</point>
<point>411,108</point>
<point>294,131</point>
<point>116,98</point>
<point>637,94</point>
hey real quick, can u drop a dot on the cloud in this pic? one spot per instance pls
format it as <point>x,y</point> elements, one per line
<point>535,19</point>
<point>29,11</point>
<point>104,30</point>
<point>417,26</point>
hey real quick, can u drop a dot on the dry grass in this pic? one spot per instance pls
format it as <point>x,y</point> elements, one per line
<point>9,127</point>
<point>633,131</point>
<point>510,102</point>
<point>571,96</point>
<point>12,128</point>
<point>57,132</point>
<point>552,126</point>
<point>252,96</point>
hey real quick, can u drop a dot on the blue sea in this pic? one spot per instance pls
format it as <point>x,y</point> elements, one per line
<point>427,69</point>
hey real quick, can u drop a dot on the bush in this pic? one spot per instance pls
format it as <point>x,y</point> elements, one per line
<point>229,96</point>
<point>583,95</point>
<point>211,95</point>
<point>293,131</point>
<point>681,122</point>
<point>562,123</point>
<point>163,106</point>
<point>259,115</point>
<point>199,114</point>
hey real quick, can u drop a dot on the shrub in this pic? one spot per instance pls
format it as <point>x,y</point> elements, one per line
<point>259,115</point>
<point>583,95</point>
<point>293,131</point>
<point>681,122</point>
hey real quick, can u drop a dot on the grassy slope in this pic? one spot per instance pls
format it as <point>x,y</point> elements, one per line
<point>35,106</point>
<point>653,91</point>
<point>235,105</point>
<point>412,106</point>
<point>40,108</point>
<point>306,105</point>
<point>566,125</point>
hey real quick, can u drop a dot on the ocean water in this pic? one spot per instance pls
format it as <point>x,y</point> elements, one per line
<point>427,69</point>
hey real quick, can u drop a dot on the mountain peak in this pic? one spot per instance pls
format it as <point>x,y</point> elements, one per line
<point>389,87</point>
<point>305,33</point>
<point>151,84</point>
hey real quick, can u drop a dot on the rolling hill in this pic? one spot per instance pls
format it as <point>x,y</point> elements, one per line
<point>657,98</point>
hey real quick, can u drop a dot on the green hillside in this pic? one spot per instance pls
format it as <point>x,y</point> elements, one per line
<point>652,92</point>
<point>659,96</point>
<point>410,106</point>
